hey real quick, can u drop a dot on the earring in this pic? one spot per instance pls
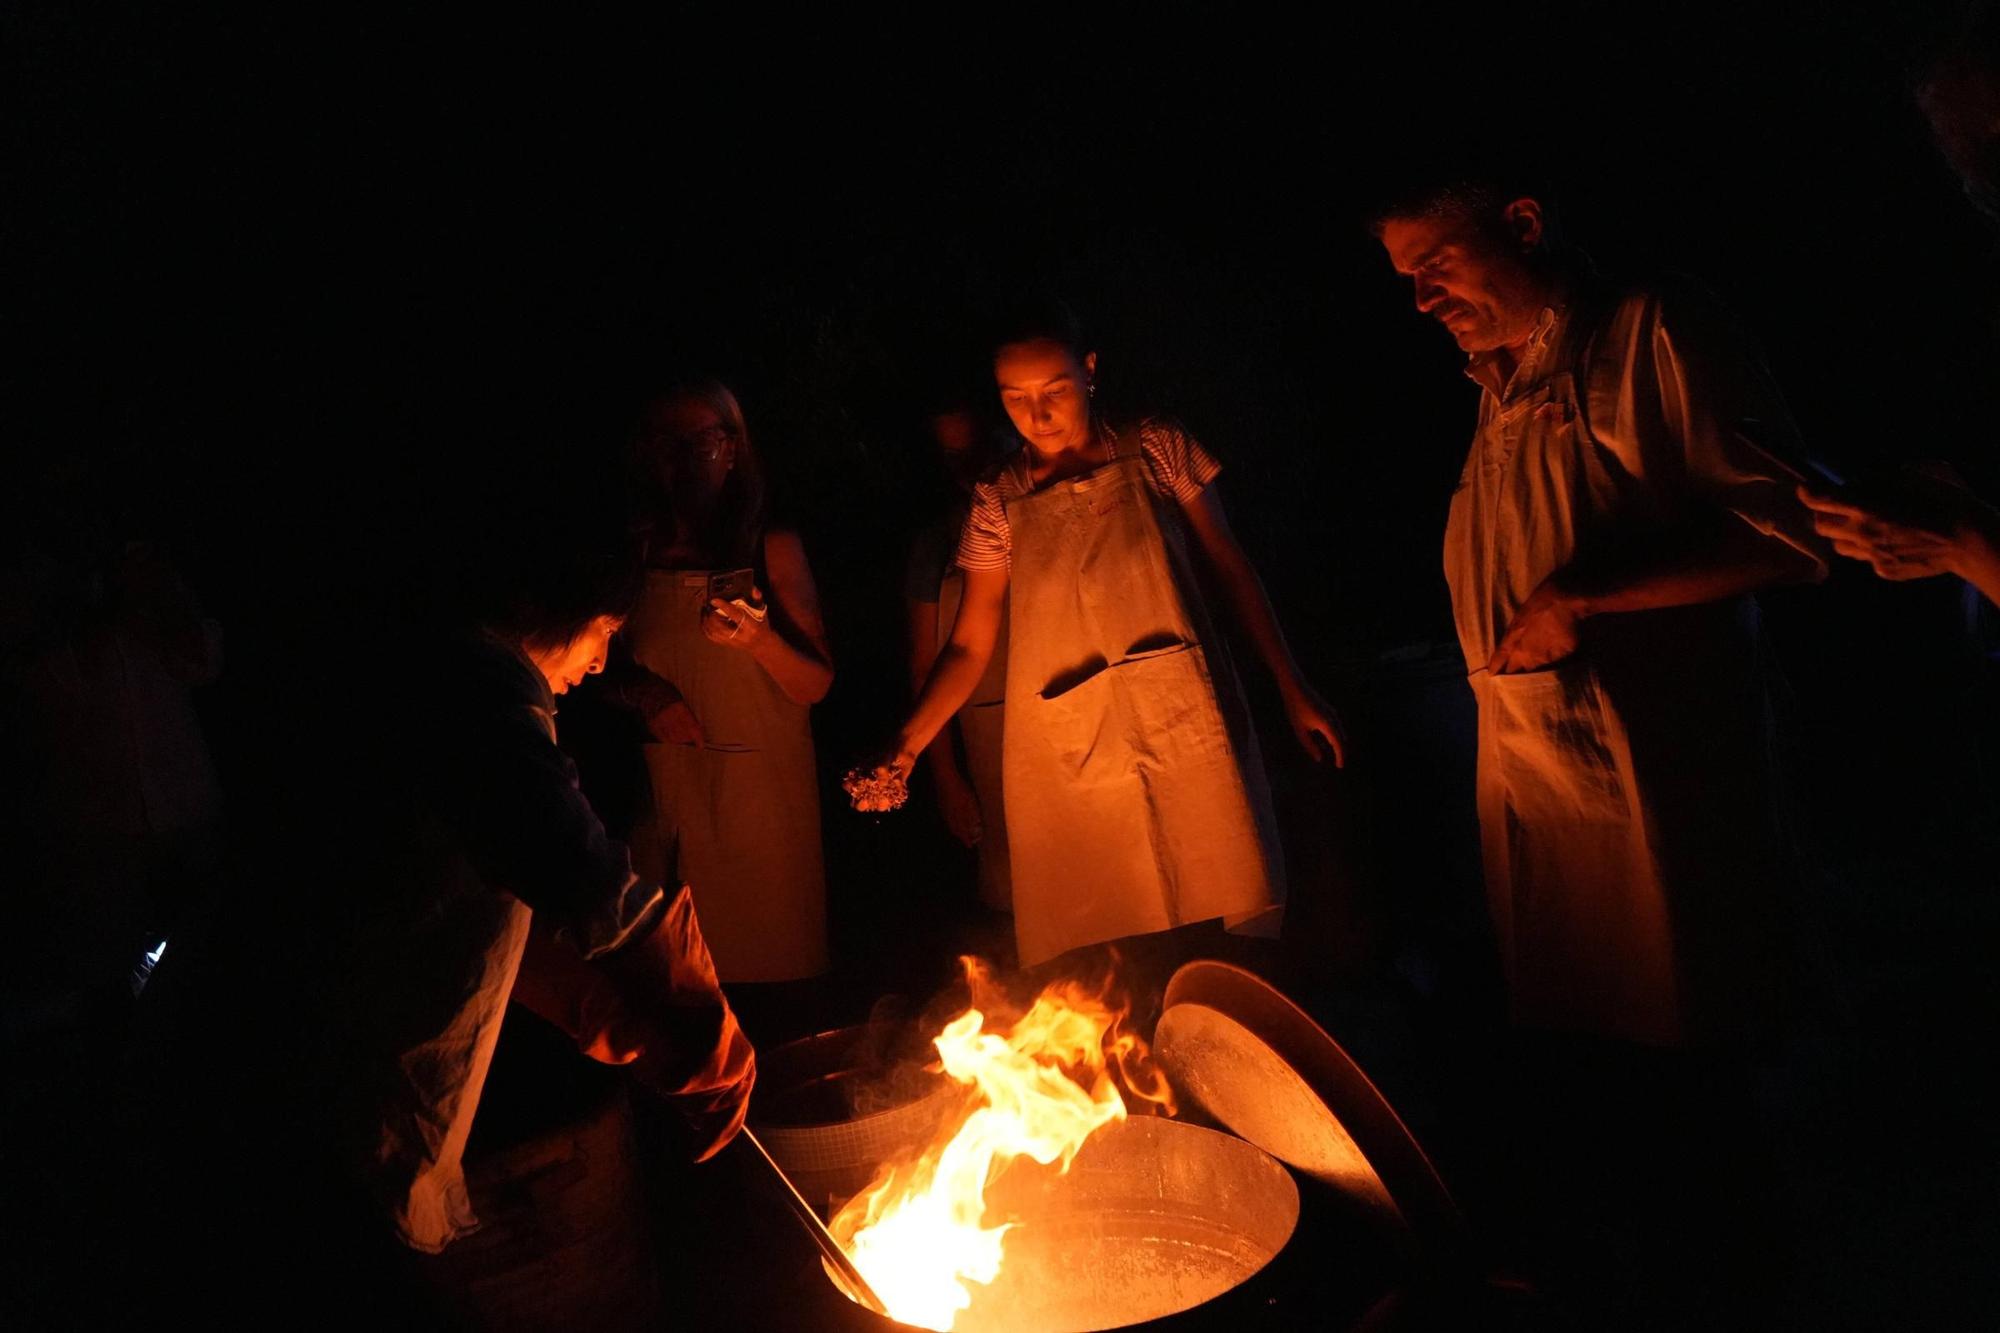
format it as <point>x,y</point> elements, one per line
<point>1091,388</point>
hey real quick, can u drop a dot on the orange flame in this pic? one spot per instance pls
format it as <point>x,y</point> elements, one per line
<point>1042,1084</point>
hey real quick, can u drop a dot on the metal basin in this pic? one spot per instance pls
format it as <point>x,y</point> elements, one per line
<point>832,1108</point>
<point>1154,1217</point>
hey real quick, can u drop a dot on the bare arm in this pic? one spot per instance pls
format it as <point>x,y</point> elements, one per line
<point>1954,533</point>
<point>1707,561</point>
<point>957,802</point>
<point>1695,402</point>
<point>791,646</point>
<point>923,625</point>
<point>959,664</point>
<point>1707,564</point>
<point>921,620</point>
<point>1312,719</point>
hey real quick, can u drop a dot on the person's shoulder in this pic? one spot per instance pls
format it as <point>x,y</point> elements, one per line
<point>497,670</point>
<point>1163,439</point>
<point>1673,302</point>
<point>488,678</point>
<point>1157,428</point>
<point>995,483</point>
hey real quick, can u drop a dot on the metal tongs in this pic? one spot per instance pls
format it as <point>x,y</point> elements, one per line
<point>829,1248</point>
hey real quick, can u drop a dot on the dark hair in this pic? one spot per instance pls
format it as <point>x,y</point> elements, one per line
<point>733,534</point>
<point>1039,316</point>
<point>1957,84</point>
<point>562,581</point>
<point>1479,194</point>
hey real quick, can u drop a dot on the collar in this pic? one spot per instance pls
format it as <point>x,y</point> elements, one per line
<point>1484,368</point>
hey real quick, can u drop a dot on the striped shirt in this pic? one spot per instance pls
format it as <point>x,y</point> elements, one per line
<point>1177,468</point>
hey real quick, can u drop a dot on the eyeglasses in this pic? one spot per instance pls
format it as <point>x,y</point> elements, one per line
<point>705,445</point>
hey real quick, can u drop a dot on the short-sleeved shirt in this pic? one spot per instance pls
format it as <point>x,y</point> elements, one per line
<point>1177,468</point>
<point>1679,417</point>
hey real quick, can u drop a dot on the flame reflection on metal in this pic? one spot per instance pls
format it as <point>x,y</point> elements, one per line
<point>1154,1217</point>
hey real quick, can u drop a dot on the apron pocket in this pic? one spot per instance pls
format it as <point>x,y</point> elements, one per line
<point>1153,701</point>
<point>1553,745</point>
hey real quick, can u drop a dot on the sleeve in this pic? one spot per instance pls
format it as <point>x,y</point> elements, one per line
<point>986,542</point>
<point>1719,408</point>
<point>1180,466</point>
<point>528,828</point>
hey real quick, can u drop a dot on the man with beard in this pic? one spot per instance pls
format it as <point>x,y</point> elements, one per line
<point>1625,493</point>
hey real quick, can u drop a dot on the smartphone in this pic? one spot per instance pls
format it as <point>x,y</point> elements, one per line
<point>732,585</point>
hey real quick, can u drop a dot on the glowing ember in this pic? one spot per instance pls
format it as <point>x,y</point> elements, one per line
<point>869,793</point>
<point>1043,1085</point>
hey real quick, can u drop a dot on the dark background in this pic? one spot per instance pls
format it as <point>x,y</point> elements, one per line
<point>327,305</point>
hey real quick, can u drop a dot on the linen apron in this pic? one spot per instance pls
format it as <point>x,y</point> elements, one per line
<point>742,810</point>
<point>982,727</point>
<point>1136,797</point>
<point>1622,793</point>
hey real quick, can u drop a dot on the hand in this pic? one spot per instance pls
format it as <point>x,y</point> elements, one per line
<point>674,723</point>
<point>737,624</point>
<point>898,764</point>
<point>1546,630</point>
<point>710,1118</point>
<point>884,785</point>
<point>1928,532</point>
<point>1316,725</point>
<point>959,804</point>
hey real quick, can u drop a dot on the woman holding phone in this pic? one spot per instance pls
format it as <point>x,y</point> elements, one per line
<point>1136,798</point>
<point>728,655</point>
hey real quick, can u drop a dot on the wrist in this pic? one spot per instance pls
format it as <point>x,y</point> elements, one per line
<point>1575,601</point>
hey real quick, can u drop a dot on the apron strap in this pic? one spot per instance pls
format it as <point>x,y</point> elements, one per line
<point>1123,441</point>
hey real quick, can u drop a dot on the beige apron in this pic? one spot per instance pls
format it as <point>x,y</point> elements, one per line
<point>1136,799</point>
<point>1622,794</point>
<point>982,726</point>
<point>743,810</point>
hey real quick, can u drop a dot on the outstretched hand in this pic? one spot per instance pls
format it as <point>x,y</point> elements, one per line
<point>1915,536</point>
<point>884,785</point>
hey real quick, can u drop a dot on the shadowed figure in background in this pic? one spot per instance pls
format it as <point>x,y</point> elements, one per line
<point>966,776</point>
<point>1136,798</point>
<point>726,655</point>
<point>315,1051</point>
<point>116,827</point>
<point>1930,522</point>
<point>112,834</point>
<point>1630,484</point>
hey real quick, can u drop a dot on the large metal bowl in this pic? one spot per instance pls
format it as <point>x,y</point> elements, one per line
<point>1154,1217</point>
<point>832,1108</point>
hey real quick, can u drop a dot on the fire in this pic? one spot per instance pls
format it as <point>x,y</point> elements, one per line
<point>1041,1085</point>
